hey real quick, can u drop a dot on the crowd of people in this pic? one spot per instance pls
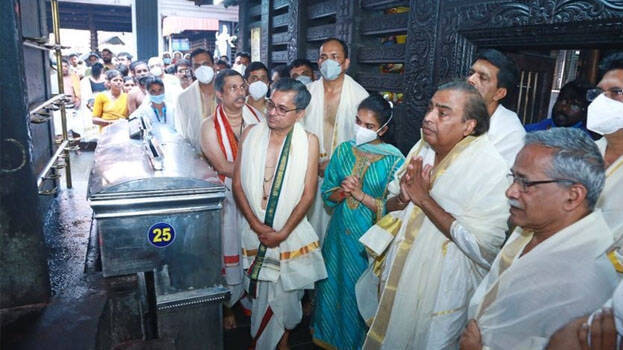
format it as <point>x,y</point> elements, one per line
<point>484,236</point>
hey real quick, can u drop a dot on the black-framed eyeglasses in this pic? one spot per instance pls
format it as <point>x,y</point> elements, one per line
<point>281,110</point>
<point>592,94</point>
<point>524,184</point>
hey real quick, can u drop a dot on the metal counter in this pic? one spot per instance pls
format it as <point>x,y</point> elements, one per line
<point>158,205</point>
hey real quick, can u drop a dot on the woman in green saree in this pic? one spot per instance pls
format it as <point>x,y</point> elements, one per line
<point>355,185</point>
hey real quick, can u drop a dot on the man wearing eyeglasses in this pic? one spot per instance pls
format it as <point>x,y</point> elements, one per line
<point>446,223</point>
<point>334,102</point>
<point>553,268</point>
<point>220,135</point>
<point>605,117</point>
<point>275,179</point>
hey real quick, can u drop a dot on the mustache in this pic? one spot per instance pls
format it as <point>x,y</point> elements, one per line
<point>515,203</point>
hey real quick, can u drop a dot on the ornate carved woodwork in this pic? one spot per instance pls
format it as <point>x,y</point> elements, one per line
<point>385,24</point>
<point>321,9</point>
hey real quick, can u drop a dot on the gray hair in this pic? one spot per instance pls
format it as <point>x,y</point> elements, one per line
<point>302,94</point>
<point>474,108</point>
<point>219,81</point>
<point>576,158</point>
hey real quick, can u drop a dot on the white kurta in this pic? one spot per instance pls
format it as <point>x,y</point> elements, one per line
<point>611,200</point>
<point>297,262</point>
<point>189,113</point>
<point>436,278</point>
<point>506,133</point>
<point>524,300</point>
<point>350,98</point>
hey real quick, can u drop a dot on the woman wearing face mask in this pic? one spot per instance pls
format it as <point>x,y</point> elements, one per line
<point>256,76</point>
<point>112,104</point>
<point>354,185</point>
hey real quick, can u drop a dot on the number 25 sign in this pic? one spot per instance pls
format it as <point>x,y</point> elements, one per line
<point>161,234</point>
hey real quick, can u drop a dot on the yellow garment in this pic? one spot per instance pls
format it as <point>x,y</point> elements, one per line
<point>106,109</point>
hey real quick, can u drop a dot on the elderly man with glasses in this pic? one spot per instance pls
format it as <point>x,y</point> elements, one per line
<point>552,269</point>
<point>219,143</point>
<point>275,180</point>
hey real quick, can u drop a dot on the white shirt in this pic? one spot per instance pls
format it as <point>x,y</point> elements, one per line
<point>506,133</point>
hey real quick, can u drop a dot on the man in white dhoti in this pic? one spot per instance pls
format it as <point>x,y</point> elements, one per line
<point>553,268</point>
<point>334,102</point>
<point>275,180</point>
<point>605,117</point>
<point>495,75</point>
<point>198,101</point>
<point>449,226</point>
<point>155,109</point>
<point>219,143</point>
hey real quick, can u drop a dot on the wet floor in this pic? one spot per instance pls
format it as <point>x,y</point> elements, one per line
<point>72,318</point>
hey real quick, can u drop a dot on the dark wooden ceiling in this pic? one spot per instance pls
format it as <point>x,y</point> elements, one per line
<point>104,17</point>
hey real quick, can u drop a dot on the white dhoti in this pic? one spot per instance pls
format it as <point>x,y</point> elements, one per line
<point>350,98</point>
<point>611,200</point>
<point>294,265</point>
<point>428,279</point>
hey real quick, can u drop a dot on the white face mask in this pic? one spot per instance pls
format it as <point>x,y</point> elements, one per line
<point>240,68</point>
<point>258,90</point>
<point>156,70</point>
<point>604,115</point>
<point>304,79</point>
<point>204,74</point>
<point>330,69</point>
<point>363,135</point>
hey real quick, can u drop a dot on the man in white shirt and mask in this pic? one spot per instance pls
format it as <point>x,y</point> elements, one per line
<point>256,77</point>
<point>605,117</point>
<point>155,109</point>
<point>241,62</point>
<point>495,75</point>
<point>198,101</point>
<point>334,102</point>
<point>172,84</point>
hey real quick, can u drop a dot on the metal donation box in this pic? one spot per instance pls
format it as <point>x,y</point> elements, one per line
<point>158,210</point>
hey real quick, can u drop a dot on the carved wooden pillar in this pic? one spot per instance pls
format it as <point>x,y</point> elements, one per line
<point>345,21</point>
<point>419,71</point>
<point>244,40</point>
<point>296,26</point>
<point>265,41</point>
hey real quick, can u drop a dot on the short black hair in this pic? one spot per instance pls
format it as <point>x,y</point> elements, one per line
<point>300,62</point>
<point>153,80</point>
<point>199,51</point>
<point>243,54</point>
<point>112,73</point>
<point>182,62</point>
<point>339,41</point>
<point>170,69</point>
<point>134,64</point>
<point>475,107</point>
<point>72,55</point>
<point>107,50</point>
<point>126,78</point>
<point>253,66</point>
<point>96,69</point>
<point>576,90</point>
<point>120,54</point>
<point>65,60</point>
<point>302,94</point>
<point>122,69</point>
<point>224,63</point>
<point>508,74</point>
<point>282,70</point>
<point>610,62</point>
<point>382,110</point>
<point>219,81</point>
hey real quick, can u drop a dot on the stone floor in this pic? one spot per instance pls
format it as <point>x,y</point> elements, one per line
<point>73,317</point>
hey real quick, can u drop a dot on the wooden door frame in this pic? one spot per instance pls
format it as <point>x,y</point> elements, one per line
<point>443,36</point>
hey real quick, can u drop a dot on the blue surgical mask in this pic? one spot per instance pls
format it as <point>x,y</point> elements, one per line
<point>330,69</point>
<point>166,60</point>
<point>304,79</point>
<point>157,99</point>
